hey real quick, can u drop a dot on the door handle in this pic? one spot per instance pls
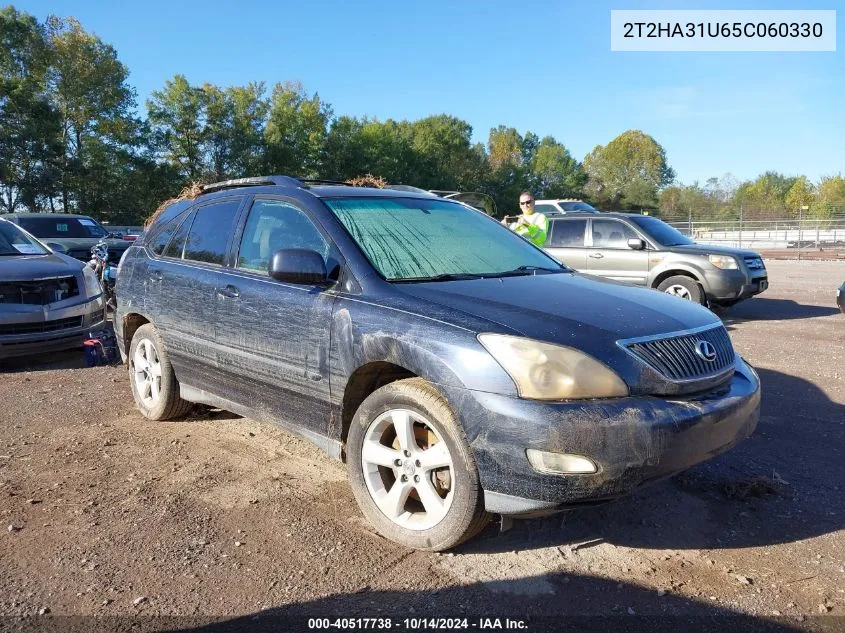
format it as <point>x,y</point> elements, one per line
<point>596,255</point>
<point>229,291</point>
<point>156,274</point>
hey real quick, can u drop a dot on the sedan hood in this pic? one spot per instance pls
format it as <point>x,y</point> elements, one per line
<point>35,267</point>
<point>566,308</point>
<point>706,249</point>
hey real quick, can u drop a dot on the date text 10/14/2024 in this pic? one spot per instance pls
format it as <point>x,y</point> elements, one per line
<point>417,624</point>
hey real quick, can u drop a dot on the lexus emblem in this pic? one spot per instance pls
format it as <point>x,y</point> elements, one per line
<point>706,351</point>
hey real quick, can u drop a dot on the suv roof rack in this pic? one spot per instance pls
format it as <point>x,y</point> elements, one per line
<point>325,181</point>
<point>257,181</point>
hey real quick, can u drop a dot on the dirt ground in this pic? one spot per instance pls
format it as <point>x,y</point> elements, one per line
<point>107,514</point>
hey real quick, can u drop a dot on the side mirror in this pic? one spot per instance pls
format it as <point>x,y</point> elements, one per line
<point>56,247</point>
<point>298,266</point>
<point>636,243</point>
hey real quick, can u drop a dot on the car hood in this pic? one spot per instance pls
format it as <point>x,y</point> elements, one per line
<point>574,310</point>
<point>34,267</point>
<point>566,308</point>
<point>707,249</point>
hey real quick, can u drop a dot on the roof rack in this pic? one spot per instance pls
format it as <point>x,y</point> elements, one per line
<point>256,181</point>
<point>324,181</point>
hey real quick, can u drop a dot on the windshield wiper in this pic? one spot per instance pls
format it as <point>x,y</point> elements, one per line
<point>530,270</point>
<point>442,277</point>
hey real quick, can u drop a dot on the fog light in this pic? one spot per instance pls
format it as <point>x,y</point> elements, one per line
<point>560,463</point>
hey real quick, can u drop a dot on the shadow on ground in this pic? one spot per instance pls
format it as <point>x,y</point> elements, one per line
<point>759,493</point>
<point>601,605</point>
<point>761,308</point>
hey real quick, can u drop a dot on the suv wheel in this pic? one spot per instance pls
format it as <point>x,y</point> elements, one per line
<point>411,469</point>
<point>683,287</point>
<point>154,384</point>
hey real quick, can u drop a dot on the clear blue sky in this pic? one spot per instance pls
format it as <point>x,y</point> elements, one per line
<point>540,66</point>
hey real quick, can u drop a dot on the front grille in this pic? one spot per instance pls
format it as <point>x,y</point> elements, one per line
<point>39,293</point>
<point>41,327</point>
<point>675,356</point>
<point>754,263</point>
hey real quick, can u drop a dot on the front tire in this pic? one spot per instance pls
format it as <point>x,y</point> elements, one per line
<point>411,469</point>
<point>154,385</point>
<point>684,288</point>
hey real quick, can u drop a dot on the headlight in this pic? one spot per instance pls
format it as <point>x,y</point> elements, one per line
<point>92,284</point>
<point>725,262</point>
<point>543,371</point>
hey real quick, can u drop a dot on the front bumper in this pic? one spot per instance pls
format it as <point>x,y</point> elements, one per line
<point>633,440</point>
<point>730,285</point>
<point>38,329</point>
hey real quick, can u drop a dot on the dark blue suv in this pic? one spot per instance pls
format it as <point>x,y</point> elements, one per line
<point>457,369</point>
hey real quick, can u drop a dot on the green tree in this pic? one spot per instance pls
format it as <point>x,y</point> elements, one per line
<point>249,108</point>
<point>296,131</point>
<point>177,117</point>
<point>765,196</point>
<point>89,88</point>
<point>831,198</point>
<point>802,193</point>
<point>30,147</point>
<point>554,173</point>
<point>628,171</point>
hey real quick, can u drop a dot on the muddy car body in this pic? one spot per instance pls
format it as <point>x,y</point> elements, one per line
<point>48,301</point>
<point>458,370</point>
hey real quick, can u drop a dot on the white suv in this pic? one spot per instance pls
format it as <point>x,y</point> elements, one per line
<point>563,206</point>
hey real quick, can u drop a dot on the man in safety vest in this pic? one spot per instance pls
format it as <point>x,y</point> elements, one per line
<point>531,225</point>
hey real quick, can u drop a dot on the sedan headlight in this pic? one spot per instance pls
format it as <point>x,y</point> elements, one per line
<point>543,371</point>
<point>92,284</point>
<point>725,262</point>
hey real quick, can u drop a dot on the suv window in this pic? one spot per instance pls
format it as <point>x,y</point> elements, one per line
<point>272,225</point>
<point>162,237</point>
<point>177,242</point>
<point>546,208</point>
<point>210,232</point>
<point>611,234</point>
<point>567,233</point>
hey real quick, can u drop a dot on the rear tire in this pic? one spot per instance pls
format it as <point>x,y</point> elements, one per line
<point>154,385</point>
<point>411,469</point>
<point>684,288</point>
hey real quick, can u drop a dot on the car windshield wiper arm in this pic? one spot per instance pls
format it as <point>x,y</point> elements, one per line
<point>443,277</point>
<point>530,270</point>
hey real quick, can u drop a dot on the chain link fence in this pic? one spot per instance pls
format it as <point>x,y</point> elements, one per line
<point>773,232</point>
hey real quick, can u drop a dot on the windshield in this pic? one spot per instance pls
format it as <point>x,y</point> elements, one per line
<point>409,239</point>
<point>661,232</point>
<point>69,227</point>
<point>13,242</point>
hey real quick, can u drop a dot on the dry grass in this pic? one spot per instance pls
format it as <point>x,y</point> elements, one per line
<point>188,193</point>
<point>368,180</point>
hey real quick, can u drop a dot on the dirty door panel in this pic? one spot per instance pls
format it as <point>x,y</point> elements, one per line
<point>187,278</point>
<point>273,337</point>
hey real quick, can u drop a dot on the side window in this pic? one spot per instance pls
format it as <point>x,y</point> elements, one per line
<point>611,234</point>
<point>568,233</point>
<point>177,242</point>
<point>546,208</point>
<point>210,232</point>
<point>272,225</point>
<point>159,242</point>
